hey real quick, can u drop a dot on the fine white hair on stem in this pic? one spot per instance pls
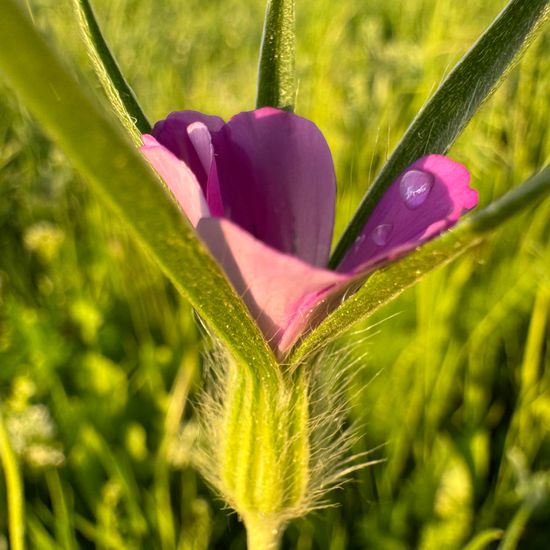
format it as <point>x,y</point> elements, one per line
<point>332,461</point>
<point>366,333</point>
<point>330,438</point>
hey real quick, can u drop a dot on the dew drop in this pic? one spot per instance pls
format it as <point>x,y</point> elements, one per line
<point>414,188</point>
<point>381,234</point>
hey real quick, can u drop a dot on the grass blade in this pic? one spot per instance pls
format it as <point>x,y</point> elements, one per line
<point>484,539</point>
<point>447,113</point>
<point>14,489</point>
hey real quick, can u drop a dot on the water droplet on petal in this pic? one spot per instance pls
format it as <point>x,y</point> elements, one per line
<point>414,188</point>
<point>381,234</point>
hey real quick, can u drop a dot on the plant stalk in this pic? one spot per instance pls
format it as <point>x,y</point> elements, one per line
<point>263,534</point>
<point>118,91</point>
<point>276,78</point>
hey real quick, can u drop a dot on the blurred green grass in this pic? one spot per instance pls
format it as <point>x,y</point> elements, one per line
<point>99,354</point>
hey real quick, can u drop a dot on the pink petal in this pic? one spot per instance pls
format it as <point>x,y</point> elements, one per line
<point>202,143</point>
<point>213,193</point>
<point>279,290</point>
<point>172,133</point>
<point>277,181</point>
<point>426,199</point>
<point>178,177</point>
<point>201,140</point>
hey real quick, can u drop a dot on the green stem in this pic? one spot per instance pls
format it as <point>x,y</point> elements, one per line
<point>263,534</point>
<point>276,79</point>
<point>515,201</point>
<point>14,490</point>
<point>513,534</point>
<point>299,449</point>
<point>119,92</point>
<point>449,110</point>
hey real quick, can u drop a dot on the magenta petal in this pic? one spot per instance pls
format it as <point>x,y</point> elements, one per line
<point>426,199</point>
<point>172,133</point>
<point>277,181</point>
<point>278,289</point>
<point>202,142</point>
<point>178,177</point>
<point>213,193</point>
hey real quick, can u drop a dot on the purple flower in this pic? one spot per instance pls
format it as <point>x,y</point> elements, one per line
<point>260,191</point>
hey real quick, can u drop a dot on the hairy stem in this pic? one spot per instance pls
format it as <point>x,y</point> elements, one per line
<point>117,89</point>
<point>276,79</point>
<point>263,534</point>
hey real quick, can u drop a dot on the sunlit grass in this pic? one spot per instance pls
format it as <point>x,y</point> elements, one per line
<point>455,380</point>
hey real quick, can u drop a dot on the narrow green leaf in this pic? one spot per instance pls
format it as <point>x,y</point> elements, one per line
<point>515,201</point>
<point>276,80</point>
<point>387,283</point>
<point>93,139</point>
<point>484,539</point>
<point>14,488</point>
<point>446,114</point>
<point>117,89</point>
<point>516,528</point>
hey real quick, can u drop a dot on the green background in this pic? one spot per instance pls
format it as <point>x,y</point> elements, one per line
<point>100,359</point>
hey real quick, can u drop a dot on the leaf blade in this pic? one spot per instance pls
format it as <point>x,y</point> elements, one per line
<point>102,152</point>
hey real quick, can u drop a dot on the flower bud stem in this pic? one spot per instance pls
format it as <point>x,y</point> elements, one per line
<point>262,534</point>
